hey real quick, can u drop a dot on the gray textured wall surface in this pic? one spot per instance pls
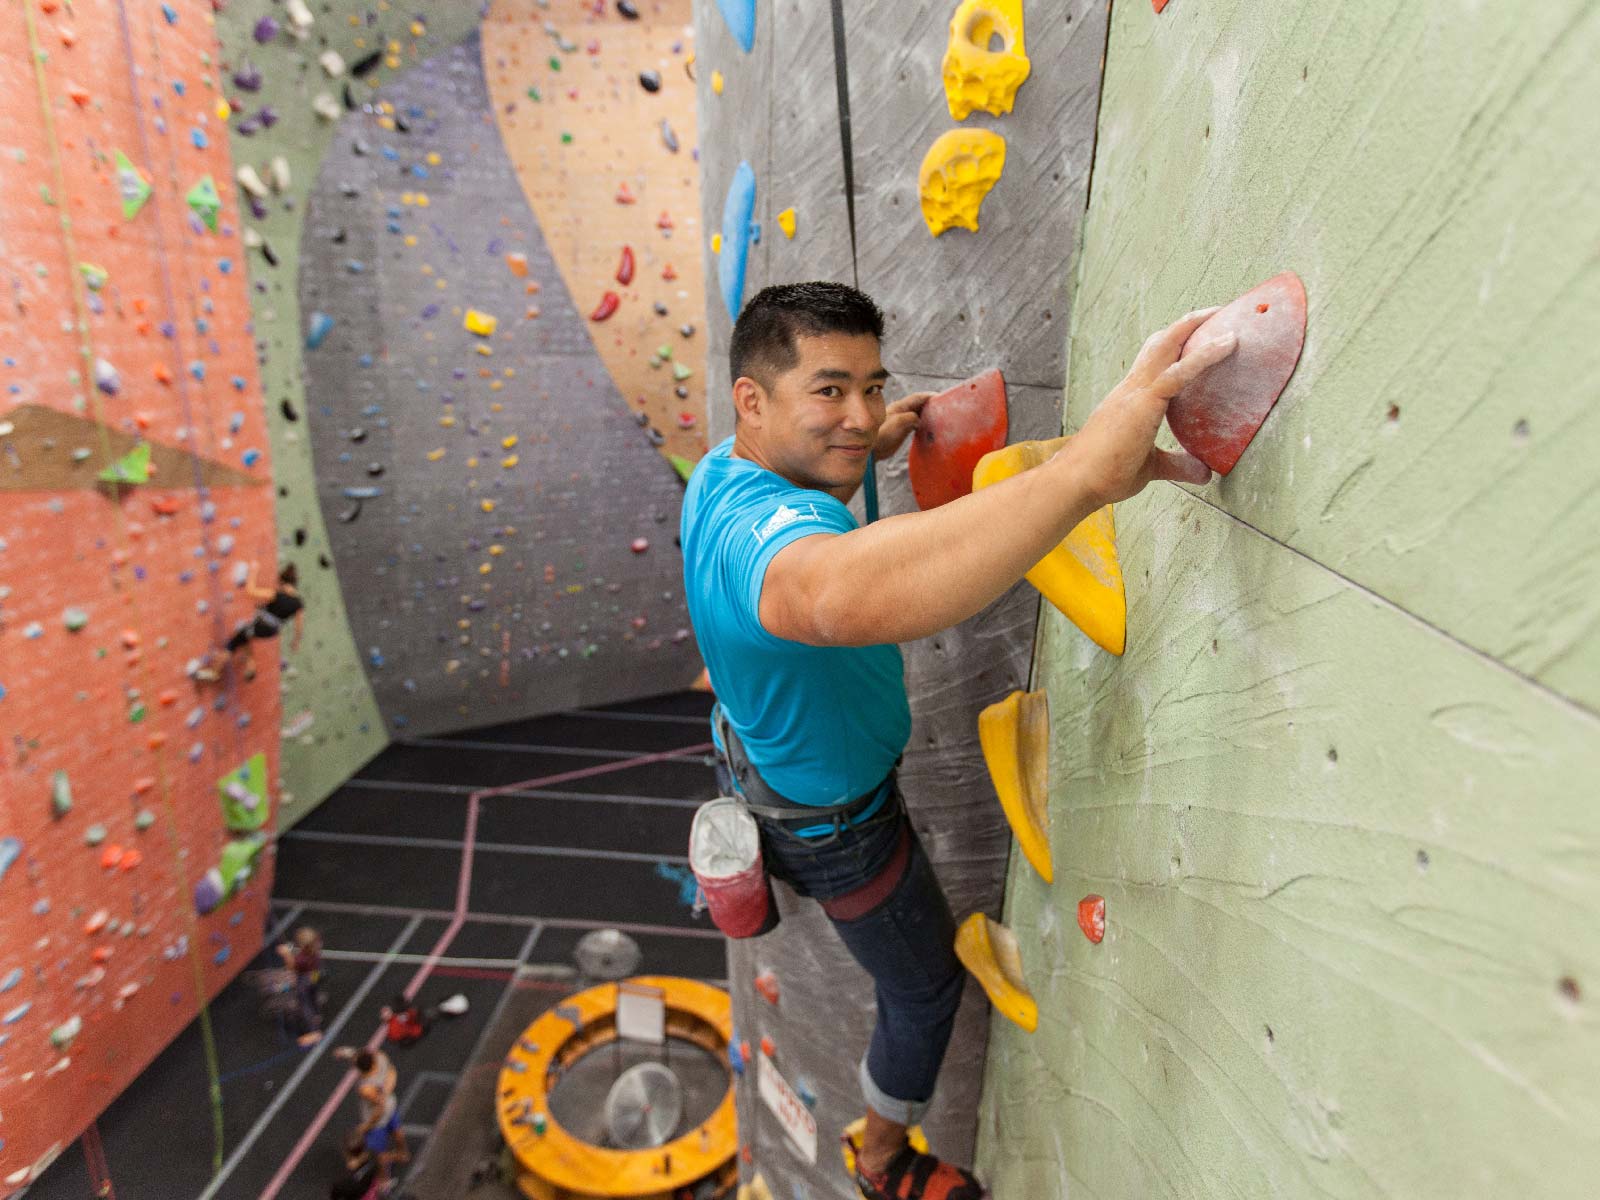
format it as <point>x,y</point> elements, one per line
<point>463,615</point>
<point>951,311</point>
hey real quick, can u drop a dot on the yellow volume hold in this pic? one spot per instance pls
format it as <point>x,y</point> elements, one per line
<point>1015,736</point>
<point>957,173</point>
<point>989,950</point>
<point>976,76</point>
<point>1081,576</point>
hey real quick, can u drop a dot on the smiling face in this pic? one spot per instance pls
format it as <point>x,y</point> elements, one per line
<point>816,422</point>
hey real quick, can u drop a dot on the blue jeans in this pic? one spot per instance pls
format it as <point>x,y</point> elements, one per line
<point>906,943</point>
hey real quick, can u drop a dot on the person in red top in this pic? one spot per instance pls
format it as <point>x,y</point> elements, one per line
<point>406,1022</point>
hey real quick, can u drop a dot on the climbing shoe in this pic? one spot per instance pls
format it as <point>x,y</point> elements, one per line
<point>913,1174</point>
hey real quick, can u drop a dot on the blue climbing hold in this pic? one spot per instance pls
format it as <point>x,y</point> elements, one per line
<point>321,327</point>
<point>741,18</point>
<point>737,210</point>
<point>10,851</point>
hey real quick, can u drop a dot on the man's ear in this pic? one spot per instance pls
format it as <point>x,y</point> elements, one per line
<point>749,400</point>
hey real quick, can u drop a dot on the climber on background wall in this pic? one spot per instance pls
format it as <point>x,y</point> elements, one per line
<point>274,607</point>
<point>797,611</point>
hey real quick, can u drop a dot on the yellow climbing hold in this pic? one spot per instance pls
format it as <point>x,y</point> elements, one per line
<point>989,950</point>
<point>480,323</point>
<point>509,461</point>
<point>957,173</point>
<point>716,82</point>
<point>786,222</point>
<point>486,505</point>
<point>509,441</point>
<point>716,243</point>
<point>1015,736</point>
<point>436,455</point>
<point>1081,576</point>
<point>856,1130</point>
<point>975,76</point>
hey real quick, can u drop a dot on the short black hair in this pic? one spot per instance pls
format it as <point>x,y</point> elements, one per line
<point>289,575</point>
<point>764,335</point>
<point>364,1060</point>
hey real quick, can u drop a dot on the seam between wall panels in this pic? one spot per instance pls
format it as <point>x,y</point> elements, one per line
<point>841,82</point>
<point>1532,681</point>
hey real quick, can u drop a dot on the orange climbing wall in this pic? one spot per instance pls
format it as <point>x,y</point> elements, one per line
<point>592,156</point>
<point>100,941</point>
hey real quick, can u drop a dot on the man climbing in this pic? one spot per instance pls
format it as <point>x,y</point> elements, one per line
<point>797,611</point>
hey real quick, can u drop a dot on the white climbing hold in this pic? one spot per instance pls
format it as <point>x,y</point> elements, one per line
<point>332,62</point>
<point>279,171</point>
<point>454,1006</point>
<point>326,107</point>
<point>251,182</point>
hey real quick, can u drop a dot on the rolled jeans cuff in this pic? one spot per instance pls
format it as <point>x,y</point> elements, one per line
<point>903,1112</point>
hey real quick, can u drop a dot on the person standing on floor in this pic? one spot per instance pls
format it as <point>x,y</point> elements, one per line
<point>303,956</point>
<point>798,612</point>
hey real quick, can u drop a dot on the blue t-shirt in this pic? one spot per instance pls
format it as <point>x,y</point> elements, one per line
<point>822,724</point>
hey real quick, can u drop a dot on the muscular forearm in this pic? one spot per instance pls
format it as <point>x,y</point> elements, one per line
<point>913,575</point>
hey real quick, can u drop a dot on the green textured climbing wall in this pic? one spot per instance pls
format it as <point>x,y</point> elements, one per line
<point>331,721</point>
<point>1339,794</point>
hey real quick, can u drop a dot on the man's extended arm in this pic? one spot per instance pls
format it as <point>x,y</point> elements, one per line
<point>913,575</point>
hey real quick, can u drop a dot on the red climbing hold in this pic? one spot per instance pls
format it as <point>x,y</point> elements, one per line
<point>1158,5</point>
<point>625,194</point>
<point>607,306</point>
<point>768,1047</point>
<point>957,428</point>
<point>668,273</point>
<point>625,267</point>
<point>664,221</point>
<point>767,984</point>
<point>1092,917</point>
<point>639,545</point>
<point>1215,417</point>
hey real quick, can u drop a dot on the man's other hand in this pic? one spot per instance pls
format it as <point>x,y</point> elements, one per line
<point>899,419</point>
<point>1115,450</point>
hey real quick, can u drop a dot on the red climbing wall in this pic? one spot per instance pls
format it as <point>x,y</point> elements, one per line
<point>124,332</point>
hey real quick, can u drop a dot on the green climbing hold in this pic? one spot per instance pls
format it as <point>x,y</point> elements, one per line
<point>136,711</point>
<point>555,63</point>
<point>144,820</point>
<point>205,202</point>
<point>238,863</point>
<point>94,276</point>
<point>74,618</point>
<point>664,351</point>
<point>132,467</point>
<point>243,793</point>
<point>533,94</point>
<point>61,1036</point>
<point>131,186</point>
<point>566,138</point>
<point>680,372</point>
<point>94,835</point>
<point>682,466</point>
<point>60,794</point>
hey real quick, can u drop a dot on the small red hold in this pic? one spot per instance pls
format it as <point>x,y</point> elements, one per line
<point>686,420</point>
<point>668,273</point>
<point>664,221</point>
<point>768,1047</point>
<point>625,267</point>
<point>625,194</point>
<point>767,984</point>
<point>607,306</point>
<point>593,46</point>
<point>1092,917</point>
<point>639,545</point>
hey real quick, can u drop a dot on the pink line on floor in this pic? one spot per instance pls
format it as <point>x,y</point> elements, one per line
<point>463,889</point>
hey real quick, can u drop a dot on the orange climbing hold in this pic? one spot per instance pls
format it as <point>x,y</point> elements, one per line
<point>1092,917</point>
<point>1015,736</point>
<point>517,264</point>
<point>767,984</point>
<point>111,857</point>
<point>1081,576</point>
<point>1158,5</point>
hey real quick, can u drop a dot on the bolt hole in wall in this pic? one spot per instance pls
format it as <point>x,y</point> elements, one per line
<point>1520,431</point>
<point>1393,413</point>
<point>1569,988</point>
<point>1422,860</point>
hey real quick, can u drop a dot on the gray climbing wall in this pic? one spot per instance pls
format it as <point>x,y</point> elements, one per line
<point>483,493</point>
<point>954,306</point>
